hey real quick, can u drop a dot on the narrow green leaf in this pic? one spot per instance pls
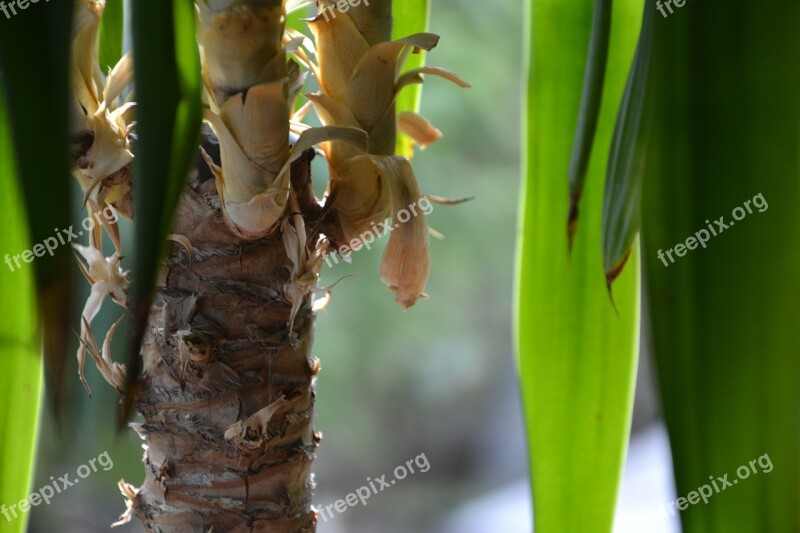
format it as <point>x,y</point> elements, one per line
<point>589,112</point>
<point>295,19</point>
<point>111,34</point>
<point>34,60</point>
<point>577,356</point>
<point>169,114</point>
<point>20,360</point>
<point>726,129</point>
<point>410,17</point>
<point>621,203</point>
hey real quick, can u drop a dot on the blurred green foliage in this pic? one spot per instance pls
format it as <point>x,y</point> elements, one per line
<point>20,361</point>
<point>726,128</point>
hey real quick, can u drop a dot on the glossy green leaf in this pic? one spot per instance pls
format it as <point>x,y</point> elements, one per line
<point>34,60</point>
<point>111,34</point>
<point>169,114</point>
<point>577,355</point>
<point>589,111</point>
<point>621,202</point>
<point>725,314</point>
<point>410,17</point>
<point>20,359</point>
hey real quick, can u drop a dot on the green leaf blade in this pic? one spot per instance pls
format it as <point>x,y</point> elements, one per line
<point>34,61</point>
<point>622,198</point>
<point>727,128</point>
<point>577,355</point>
<point>20,355</point>
<point>410,17</point>
<point>111,34</point>
<point>589,111</point>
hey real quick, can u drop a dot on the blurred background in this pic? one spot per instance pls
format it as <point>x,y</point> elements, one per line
<point>437,380</point>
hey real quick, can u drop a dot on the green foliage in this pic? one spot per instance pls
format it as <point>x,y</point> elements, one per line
<point>725,323</point>
<point>20,361</point>
<point>589,111</point>
<point>169,114</point>
<point>621,205</point>
<point>34,181</point>
<point>708,127</point>
<point>37,101</point>
<point>577,354</point>
<point>111,33</point>
<point>410,17</point>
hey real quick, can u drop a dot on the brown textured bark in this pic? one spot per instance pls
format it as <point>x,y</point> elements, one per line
<point>217,351</point>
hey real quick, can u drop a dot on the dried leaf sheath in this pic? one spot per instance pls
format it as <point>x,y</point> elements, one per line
<point>359,81</point>
<point>245,72</point>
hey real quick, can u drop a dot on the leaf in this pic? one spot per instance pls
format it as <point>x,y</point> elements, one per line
<point>20,361</point>
<point>577,356</point>
<point>296,12</point>
<point>621,203</point>
<point>111,34</point>
<point>726,129</point>
<point>169,114</point>
<point>410,17</point>
<point>589,113</point>
<point>34,48</point>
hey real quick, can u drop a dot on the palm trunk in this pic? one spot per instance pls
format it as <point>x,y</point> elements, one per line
<point>227,391</point>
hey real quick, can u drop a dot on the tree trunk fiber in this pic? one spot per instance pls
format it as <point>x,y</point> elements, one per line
<point>217,352</point>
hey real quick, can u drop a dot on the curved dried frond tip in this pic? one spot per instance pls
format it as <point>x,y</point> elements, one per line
<point>107,279</point>
<point>418,128</point>
<point>113,373</point>
<point>129,492</point>
<point>406,259</point>
<point>252,432</point>
<point>306,266</point>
